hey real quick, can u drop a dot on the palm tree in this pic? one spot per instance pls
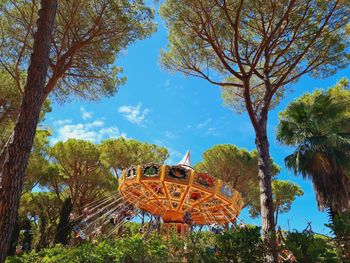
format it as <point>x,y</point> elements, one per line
<point>318,125</point>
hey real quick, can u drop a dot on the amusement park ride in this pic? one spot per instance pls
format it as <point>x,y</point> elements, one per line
<point>176,194</point>
<point>180,196</point>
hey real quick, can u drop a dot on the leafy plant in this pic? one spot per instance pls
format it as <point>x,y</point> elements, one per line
<point>243,245</point>
<point>340,227</point>
<point>310,248</point>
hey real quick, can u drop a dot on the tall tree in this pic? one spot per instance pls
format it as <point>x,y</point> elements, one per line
<point>42,209</point>
<point>15,154</point>
<point>10,101</point>
<point>255,49</point>
<point>318,125</point>
<point>284,194</point>
<point>81,174</point>
<point>39,169</point>
<point>238,167</point>
<point>85,40</point>
<point>114,154</point>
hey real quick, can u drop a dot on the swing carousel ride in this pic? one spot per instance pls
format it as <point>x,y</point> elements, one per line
<point>178,195</point>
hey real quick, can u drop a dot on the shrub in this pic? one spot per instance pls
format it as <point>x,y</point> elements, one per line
<point>310,248</point>
<point>132,249</point>
<point>340,226</point>
<point>242,245</point>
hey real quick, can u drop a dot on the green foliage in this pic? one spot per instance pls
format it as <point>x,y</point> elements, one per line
<point>205,247</point>
<point>237,246</point>
<point>256,49</point>
<point>318,125</point>
<point>200,247</point>
<point>43,209</point>
<point>120,153</point>
<point>228,44</point>
<point>239,168</point>
<point>243,245</point>
<point>82,61</point>
<point>80,171</point>
<point>310,248</point>
<point>38,170</point>
<point>340,226</point>
<point>10,100</point>
<point>131,228</point>
<point>132,249</point>
<point>232,97</point>
<point>285,193</point>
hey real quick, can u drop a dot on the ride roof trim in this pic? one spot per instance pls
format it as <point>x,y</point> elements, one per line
<point>175,192</point>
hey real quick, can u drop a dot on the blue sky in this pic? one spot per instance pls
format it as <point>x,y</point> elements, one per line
<point>181,113</point>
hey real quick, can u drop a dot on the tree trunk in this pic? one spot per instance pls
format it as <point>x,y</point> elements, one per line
<point>28,236</point>
<point>14,238</point>
<point>158,225</point>
<point>42,231</point>
<point>64,226</point>
<point>277,213</point>
<point>264,176</point>
<point>15,154</point>
<point>142,218</point>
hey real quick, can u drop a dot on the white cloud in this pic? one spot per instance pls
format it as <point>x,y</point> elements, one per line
<point>85,114</point>
<point>94,131</point>
<point>203,124</point>
<point>170,86</point>
<point>170,135</point>
<point>213,131</point>
<point>209,127</point>
<point>62,122</point>
<point>76,131</point>
<point>96,123</point>
<point>111,132</point>
<point>134,114</point>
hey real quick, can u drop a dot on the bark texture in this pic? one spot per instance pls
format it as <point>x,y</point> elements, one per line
<point>259,121</point>
<point>265,185</point>
<point>15,154</point>
<point>14,238</point>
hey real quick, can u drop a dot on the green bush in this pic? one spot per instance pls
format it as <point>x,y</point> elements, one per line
<point>310,248</point>
<point>242,245</point>
<point>132,249</point>
<point>340,226</point>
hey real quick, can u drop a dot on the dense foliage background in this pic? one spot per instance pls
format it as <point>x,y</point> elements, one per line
<point>239,245</point>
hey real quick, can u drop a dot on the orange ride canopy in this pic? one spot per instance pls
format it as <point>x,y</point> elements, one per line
<point>178,194</point>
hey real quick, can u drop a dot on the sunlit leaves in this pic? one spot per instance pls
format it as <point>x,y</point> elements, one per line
<point>318,125</point>
<point>87,38</point>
